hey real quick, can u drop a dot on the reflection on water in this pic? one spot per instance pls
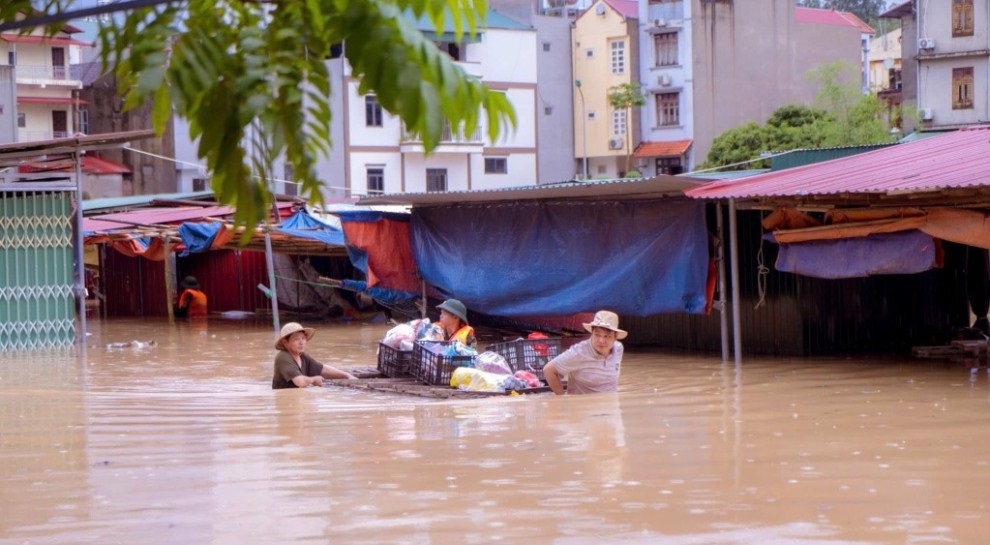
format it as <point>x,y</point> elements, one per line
<point>183,441</point>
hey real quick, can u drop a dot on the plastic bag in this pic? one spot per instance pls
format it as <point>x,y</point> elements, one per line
<point>474,380</point>
<point>457,348</point>
<point>395,336</point>
<point>493,362</point>
<point>530,379</point>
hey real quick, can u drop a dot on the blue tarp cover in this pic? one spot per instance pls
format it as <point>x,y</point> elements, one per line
<point>303,225</point>
<point>905,252</point>
<point>197,236</point>
<point>546,258</point>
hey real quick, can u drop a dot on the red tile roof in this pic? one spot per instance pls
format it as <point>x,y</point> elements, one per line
<point>674,148</point>
<point>830,17</point>
<point>959,159</point>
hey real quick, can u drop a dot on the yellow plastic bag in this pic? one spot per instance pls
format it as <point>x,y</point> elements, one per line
<point>474,380</point>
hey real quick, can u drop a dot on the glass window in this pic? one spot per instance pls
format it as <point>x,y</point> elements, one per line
<point>376,180</point>
<point>962,85</point>
<point>199,184</point>
<point>619,123</point>
<point>665,48</point>
<point>496,165</point>
<point>962,17</point>
<point>668,109</point>
<point>21,120</point>
<point>372,111</point>
<point>436,179</point>
<point>618,57</point>
<point>669,165</point>
<point>84,121</point>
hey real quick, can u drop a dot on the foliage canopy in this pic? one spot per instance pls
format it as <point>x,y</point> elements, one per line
<point>251,77</point>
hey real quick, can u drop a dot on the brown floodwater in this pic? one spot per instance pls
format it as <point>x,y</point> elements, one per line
<point>185,442</point>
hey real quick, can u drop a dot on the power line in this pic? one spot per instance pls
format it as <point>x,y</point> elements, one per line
<point>65,16</point>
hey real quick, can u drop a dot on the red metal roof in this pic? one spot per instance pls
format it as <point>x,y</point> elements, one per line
<point>52,100</point>
<point>830,17</point>
<point>91,164</point>
<point>675,148</point>
<point>959,159</point>
<point>627,8</point>
<point>17,38</point>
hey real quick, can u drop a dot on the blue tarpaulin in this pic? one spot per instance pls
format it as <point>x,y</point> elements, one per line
<point>905,252</point>
<point>198,237</point>
<point>303,225</point>
<point>546,258</point>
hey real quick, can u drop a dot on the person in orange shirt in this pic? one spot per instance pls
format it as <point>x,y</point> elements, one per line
<point>192,300</point>
<point>453,319</point>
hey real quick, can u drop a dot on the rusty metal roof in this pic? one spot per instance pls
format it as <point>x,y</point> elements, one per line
<point>956,162</point>
<point>658,186</point>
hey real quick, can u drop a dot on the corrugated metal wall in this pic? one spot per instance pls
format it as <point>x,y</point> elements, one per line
<point>135,286</point>
<point>809,316</point>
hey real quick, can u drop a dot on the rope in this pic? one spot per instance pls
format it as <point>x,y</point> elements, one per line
<point>762,272</point>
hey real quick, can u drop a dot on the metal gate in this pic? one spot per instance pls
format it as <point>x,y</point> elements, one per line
<point>36,270</point>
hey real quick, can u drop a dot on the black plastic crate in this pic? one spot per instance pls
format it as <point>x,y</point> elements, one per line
<point>393,362</point>
<point>431,366</point>
<point>528,354</point>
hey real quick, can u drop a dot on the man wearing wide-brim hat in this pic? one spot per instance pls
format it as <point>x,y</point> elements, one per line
<point>592,365</point>
<point>294,368</point>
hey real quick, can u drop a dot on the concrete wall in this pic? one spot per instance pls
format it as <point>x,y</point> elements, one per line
<point>749,62</point>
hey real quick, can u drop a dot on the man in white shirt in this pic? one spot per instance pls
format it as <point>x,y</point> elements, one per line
<point>593,364</point>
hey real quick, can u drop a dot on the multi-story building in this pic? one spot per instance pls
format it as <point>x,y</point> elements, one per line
<point>604,48</point>
<point>885,74</point>
<point>946,50</point>
<point>37,90</point>
<point>710,66</point>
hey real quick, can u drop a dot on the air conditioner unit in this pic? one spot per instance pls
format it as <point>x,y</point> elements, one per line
<point>926,43</point>
<point>659,22</point>
<point>664,80</point>
<point>614,143</point>
<point>926,114</point>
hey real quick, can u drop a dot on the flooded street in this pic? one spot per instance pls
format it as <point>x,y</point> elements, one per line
<point>185,442</point>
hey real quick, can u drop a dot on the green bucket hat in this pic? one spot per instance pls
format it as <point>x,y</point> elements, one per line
<point>456,308</point>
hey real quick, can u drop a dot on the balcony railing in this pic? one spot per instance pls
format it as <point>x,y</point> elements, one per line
<point>36,72</point>
<point>446,137</point>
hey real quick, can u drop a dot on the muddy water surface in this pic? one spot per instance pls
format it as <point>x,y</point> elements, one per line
<point>185,442</point>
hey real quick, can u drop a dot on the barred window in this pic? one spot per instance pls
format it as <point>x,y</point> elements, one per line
<point>962,85</point>
<point>665,48</point>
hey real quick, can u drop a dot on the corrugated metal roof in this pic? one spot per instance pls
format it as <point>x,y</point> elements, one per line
<point>801,157</point>
<point>674,148</point>
<point>959,159</point>
<point>659,186</point>
<point>110,203</point>
<point>830,17</point>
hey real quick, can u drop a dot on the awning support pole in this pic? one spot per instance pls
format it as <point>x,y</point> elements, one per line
<point>734,257</point>
<point>422,308</point>
<point>80,283</point>
<point>271,278</point>
<point>720,256</point>
<point>169,302</point>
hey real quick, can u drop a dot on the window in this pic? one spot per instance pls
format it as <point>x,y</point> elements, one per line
<point>665,49</point>
<point>372,111</point>
<point>22,120</point>
<point>962,18</point>
<point>668,109</point>
<point>546,47</point>
<point>618,48</point>
<point>496,165</point>
<point>199,184</point>
<point>11,58</point>
<point>669,165</point>
<point>590,53</point>
<point>84,121</point>
<point>619,123</point>
<point>289,175</point>
<point>436,179</point>
<point>376,180</point>
<point>962,85</point>
<point>591,115</point>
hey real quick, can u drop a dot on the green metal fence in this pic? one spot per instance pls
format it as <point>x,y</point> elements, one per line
<point>36,270</point>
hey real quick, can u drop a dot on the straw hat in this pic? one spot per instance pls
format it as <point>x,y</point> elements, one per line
<point>289,329</point>
<point>607,320</point>
<point>456,308</point>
